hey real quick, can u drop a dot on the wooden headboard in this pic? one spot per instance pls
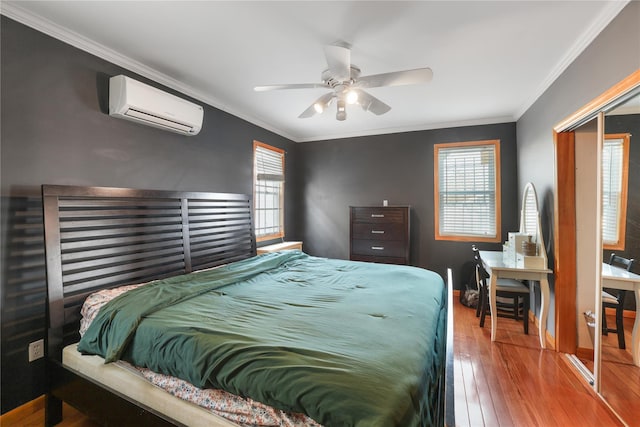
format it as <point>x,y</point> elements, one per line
<point>97,238</point>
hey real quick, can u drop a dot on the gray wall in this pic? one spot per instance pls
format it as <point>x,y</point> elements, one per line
<point>397,167</point>
<point>612,56</point>
<point>55,131</point>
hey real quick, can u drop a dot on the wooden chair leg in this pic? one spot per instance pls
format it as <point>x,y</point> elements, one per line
<point>525,314</point>
<point>620,326</point>
<point>516,307</point>
<point>480,299</point>
<point>605,328</point>
<point>483,309</point>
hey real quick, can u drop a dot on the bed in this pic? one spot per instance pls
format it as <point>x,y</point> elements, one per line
<point>199,249</point>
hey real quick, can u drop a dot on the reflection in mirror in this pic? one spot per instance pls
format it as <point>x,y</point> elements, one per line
<point>619,372</point>
<point>615,172</point>
<point>530,221</point>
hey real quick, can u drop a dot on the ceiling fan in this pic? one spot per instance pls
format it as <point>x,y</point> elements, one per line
<point>347,86</point>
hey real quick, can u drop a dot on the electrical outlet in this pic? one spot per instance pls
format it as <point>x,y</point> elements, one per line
<point>36,350</point>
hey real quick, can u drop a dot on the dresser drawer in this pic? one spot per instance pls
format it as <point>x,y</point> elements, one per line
<point>379,231</point>
<point>379,214</point>
<point>380,259</point>
<point>393,248</point>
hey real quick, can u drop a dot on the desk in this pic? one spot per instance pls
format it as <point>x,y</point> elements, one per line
<point>495,266</point>
<point>619,278</point>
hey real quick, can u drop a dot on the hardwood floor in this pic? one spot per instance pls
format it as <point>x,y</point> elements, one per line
<point>620,377</point>
<point>511,382</point>
<point>32,415</point>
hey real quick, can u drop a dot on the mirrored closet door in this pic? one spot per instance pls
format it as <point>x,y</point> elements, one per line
<point>619,373</point>
<point>597,213</point>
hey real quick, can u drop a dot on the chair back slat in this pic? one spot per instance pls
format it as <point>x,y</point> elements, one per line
<point>618,303</point>
<point>481,271</point>
<point>621,261</point>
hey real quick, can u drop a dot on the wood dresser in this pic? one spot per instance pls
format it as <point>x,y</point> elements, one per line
<point>380,234</point>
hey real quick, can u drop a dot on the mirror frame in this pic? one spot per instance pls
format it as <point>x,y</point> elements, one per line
<point>565,208</point>
<point>529,195</point>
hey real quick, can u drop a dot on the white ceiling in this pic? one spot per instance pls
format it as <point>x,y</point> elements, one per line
<point>491,60</point>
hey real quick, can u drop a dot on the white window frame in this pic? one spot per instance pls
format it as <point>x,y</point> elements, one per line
<point>457,190</point>
<point>615,175</point>
<point>268,191</point>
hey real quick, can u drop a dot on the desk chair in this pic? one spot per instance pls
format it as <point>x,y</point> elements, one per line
<point>614,298</point>
<point>511,289</point>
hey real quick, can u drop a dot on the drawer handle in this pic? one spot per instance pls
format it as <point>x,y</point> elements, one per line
<point>377,215</point>
<point>377,231</point>
<point>377,248</point>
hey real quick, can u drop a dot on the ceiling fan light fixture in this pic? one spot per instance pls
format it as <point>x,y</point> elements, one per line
<point>346,85</point>
<point>322,104</point>
<point>341,114</point>
<point>352,96</point>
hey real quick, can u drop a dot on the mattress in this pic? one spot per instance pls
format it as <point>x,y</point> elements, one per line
<point>195,406</point>
<point>346,343</point>
<point>123,380</point>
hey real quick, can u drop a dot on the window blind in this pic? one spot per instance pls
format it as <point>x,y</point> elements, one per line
<point>269,191</point>
<point>612,181</point>
<point>269,164</point>
<point>467,191</point>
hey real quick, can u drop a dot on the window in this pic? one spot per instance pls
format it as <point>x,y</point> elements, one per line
<point>467,191</point>
<point>268,196</point>
<point>615,170</point>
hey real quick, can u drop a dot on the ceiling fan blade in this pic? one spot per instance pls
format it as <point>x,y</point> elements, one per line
<point>369,102</point>
<point>339,61</point>
<point>324,101</point>
<point>290,86</point>
<point>396,78</point>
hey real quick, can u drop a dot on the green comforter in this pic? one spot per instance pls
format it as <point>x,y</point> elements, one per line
<point>347,343</point>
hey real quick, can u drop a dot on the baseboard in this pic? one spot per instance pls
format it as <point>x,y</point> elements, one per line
<point>456,293</point>
<point>627,314</point>
<point>15,416</point>
<point>549,339</point>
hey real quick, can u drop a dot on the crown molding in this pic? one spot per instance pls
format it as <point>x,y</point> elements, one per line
<point>610,11</point>
<point>417,128</point>
<point>14,11</point>
<point>37,22</point>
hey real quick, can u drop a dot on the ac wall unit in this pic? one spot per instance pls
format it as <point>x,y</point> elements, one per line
<point>132,100</point>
